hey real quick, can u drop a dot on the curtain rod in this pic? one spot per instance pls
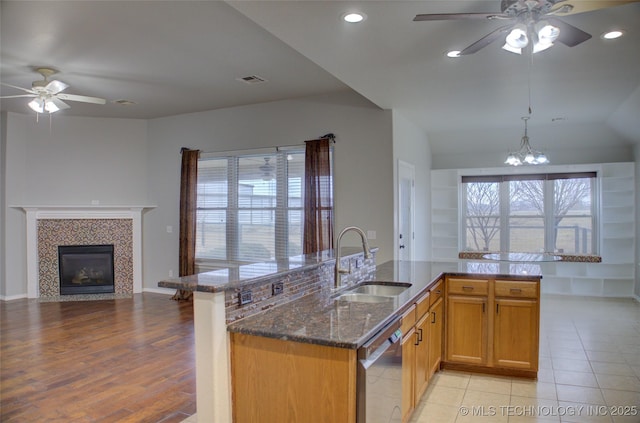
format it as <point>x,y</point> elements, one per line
<point>330,136</point>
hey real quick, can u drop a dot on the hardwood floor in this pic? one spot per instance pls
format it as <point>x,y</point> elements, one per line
<point>125,360</point>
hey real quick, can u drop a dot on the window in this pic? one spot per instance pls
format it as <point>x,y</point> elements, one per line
<point>250,207</point>
<point>530,213</point>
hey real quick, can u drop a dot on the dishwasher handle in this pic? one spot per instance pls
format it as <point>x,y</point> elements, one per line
<point>379,343</point>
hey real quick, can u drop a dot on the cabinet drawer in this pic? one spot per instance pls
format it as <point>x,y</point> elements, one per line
<point>468,286</point>
<point>516,289</point>
<point>422,306</point>
<point>408,320</point>
<point>436,292</point>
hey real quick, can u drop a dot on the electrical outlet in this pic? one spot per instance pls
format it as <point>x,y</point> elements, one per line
<point>277,288</point>
<point>170,273</point>
<point>358,263</point>
<point>245,297</point>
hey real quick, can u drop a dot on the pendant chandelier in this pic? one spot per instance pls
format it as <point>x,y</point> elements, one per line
<point>526,154</point>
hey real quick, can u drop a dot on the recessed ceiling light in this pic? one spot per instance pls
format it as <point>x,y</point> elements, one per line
<point>453,53</point>
<point>354,17</point>
<point>612,35</point>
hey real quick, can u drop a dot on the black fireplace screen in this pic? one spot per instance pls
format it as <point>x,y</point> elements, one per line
<point>86,269</point>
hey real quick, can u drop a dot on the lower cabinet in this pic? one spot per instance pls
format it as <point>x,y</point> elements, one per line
<point>436,325</point>
<point>422,326</point>
<point>276,380</point>
<point>408,373</point>
<point>492,325</point>
<point>467,329</point>
<point>516,326</point>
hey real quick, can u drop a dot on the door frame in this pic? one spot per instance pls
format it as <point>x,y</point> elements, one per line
<point>405,170</point>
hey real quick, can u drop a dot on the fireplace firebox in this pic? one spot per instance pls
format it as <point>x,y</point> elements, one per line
<point>86,269</point>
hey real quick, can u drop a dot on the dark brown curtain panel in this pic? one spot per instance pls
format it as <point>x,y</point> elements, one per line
<point>188,206</point>
<point>318,197</point>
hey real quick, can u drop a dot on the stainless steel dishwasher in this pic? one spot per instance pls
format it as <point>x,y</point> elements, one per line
<point>379,377</point>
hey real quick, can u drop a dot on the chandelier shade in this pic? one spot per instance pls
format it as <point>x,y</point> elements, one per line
<point>526,155</point>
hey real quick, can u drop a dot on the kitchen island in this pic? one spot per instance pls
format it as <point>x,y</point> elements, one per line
<point>313,323</point>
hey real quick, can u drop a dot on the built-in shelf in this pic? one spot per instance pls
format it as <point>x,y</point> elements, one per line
<point>614,277</point>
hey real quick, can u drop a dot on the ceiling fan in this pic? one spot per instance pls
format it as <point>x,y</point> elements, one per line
<point>534,19</point>
<point>47,94</point>
<point>267,169</point>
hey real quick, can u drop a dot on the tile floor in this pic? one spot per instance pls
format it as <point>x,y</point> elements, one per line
<point>589,372</point>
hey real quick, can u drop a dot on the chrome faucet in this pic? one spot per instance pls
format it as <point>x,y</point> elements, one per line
<point>365,246</point>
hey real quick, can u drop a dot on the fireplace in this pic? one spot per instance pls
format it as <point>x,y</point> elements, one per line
<point>86,269</point>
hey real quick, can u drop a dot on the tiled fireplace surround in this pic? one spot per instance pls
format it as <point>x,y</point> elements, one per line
<point>49,227</point>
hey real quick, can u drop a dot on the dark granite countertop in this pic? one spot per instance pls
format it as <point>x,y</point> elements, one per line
<point>248,274</point>
<point>320,319</point>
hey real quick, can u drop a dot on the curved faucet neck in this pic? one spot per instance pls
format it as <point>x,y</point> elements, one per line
<point>365,247</point>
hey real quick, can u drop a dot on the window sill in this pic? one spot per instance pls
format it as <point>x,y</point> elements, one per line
<point>572,258</point>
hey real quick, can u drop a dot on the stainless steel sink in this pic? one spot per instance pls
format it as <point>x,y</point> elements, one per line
<point>355,297</point>
<point>381,288</point>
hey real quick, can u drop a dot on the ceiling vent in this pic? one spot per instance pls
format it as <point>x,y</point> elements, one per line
<point>252,79</point>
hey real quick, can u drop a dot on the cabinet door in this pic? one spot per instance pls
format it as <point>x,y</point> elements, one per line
<point>467,329</point>
<point>422,357</point>
<point>408,373</point>
<point>435,335</point>
<point>515,334</point>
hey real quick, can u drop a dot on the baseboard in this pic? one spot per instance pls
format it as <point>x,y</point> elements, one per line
<point>637,298</point>
<point>165,291</point>
<point>12,297</point>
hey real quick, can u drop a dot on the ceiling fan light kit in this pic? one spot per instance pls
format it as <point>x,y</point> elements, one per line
<point>47,95</point>
<point>534,24</point>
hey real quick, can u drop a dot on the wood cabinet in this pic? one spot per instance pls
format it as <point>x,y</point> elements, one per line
<point>492,325</point>
<point>516,325</point>
<point>415,354</point>
<point>409,341</point>
<point>285,381</point>
<point>436,326</point>
<point>467,329</point>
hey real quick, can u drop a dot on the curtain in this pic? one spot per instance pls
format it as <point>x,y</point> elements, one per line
<point>318,197</point>
<point>188,207</point>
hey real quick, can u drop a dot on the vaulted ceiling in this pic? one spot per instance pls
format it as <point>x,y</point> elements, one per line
<point>175,57</point>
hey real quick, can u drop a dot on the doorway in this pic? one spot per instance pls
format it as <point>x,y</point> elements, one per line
<point>405,211</point>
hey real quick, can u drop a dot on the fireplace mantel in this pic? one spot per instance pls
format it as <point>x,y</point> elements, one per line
<point>35,213</point>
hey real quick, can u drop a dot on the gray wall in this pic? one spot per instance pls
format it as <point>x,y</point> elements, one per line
<point>71,162</point>
<point>3,190</point>
<point>411,145</point>
<point>363,163</point>
<point>636,154</point>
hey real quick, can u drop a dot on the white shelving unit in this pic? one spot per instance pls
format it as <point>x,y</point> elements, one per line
<point>614,277</point>
<point>444,214</point>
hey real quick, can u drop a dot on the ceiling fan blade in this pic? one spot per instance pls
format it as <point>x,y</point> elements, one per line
<point>81,98</point>
<point>19,95</point>
<point>59,103</point>
<point>458,16</point>
<point>18,88</point>
<point>582,6</point>
<point>569,34</point>
<point>54,87</point>
<point>486,40</point>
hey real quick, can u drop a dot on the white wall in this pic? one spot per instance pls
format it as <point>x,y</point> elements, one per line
<point>411,145</point>
<point>3,189</point>
<point>72,162</point>
<point>636,155</point>
<point>363,163</point>
<point>581,143</point>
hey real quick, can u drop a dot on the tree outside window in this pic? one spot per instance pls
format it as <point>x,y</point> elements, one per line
<point>530,213</point>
